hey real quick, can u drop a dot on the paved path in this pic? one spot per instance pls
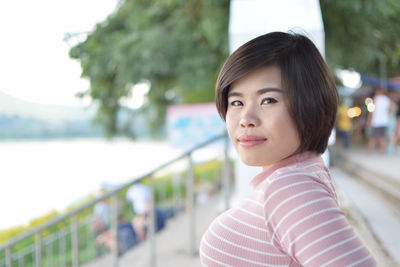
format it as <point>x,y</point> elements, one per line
<point>380,172</point>
<point>378,202</point>
<point>374,220</point>
<point>384,165</point>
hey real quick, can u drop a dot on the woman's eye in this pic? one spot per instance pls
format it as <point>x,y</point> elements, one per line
<point>268,100</point>
<point>236,103</point>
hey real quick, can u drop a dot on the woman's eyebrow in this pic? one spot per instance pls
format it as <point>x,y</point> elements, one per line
<point>259,92</point>
<point>269,89</point>
<point>234,94</point>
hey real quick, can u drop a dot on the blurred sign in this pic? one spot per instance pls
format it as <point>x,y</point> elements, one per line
<point>189,125</point>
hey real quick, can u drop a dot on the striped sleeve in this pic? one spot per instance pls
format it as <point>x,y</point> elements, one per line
<point>308,225</point>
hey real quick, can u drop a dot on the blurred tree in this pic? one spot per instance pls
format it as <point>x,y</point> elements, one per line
<point>176,45</point>
<point>179,45</point>
<point>362,35</point>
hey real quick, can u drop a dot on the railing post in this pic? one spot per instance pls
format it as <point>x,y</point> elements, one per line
<point>75,241</point>
<point>62,248</point>
<point>20,259</point>
<point>190,202</point>
<point>151,234</point>
<point>88,236</point>
<point>47,250</point>
<point>49,243</point>
<point>114,225</point>
<point>178,192</point>
<point>21,262</point>
<point>9,257</point>
<point>226,174</point>
<point>175,191</point>
<point>38,250</point>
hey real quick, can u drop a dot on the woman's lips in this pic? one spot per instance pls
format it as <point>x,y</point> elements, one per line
<point>249,141</point>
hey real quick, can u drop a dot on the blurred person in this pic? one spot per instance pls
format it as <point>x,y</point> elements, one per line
<point>101,213</point>
<point>396,136</point>
<point>101,222</point>
<point>379,121</point>
<point>126,237</point>
<point>140,196</point>
<point>362,125</point>
<point>392,126</point>
<point>279,104</point>
<point>344,125</point>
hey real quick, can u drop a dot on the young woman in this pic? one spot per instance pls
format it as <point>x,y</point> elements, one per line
<point>279,103</point>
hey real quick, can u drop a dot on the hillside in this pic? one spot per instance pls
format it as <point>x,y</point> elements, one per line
<point>23,119</point>
<point>13,106</point>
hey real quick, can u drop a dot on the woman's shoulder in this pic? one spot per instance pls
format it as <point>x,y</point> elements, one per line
<point>306,169</point>
<point>304,164</point>
<point>311,174</point>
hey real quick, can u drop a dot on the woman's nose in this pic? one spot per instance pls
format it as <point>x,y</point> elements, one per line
<point>249,118</point>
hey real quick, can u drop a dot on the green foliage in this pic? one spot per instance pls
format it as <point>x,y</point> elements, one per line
<point>11,232</point>
<point>177,45</point>
<point>361,33</point>
<point>167,186</point>
<point>208,171</point>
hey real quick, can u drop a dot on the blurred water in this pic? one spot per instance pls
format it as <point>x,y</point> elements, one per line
<point>37,176</point>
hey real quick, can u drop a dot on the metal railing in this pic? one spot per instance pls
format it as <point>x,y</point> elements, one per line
<point>69,241</point>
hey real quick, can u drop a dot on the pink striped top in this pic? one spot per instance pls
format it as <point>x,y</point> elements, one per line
<point>291,219</point>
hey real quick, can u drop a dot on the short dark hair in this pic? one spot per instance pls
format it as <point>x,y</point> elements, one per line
<point>309,87</point>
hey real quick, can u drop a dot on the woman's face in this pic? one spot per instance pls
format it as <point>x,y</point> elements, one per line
<point>258,121</point>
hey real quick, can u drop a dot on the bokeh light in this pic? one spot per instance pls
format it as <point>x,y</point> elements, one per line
<point>354,112</point>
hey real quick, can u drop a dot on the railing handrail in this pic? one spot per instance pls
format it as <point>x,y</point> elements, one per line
<point>96,200</point>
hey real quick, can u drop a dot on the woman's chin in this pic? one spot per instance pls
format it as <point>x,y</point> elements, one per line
<point>251,162</point>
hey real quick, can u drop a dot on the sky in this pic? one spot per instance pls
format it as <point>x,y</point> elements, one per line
<point>34,61</point>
